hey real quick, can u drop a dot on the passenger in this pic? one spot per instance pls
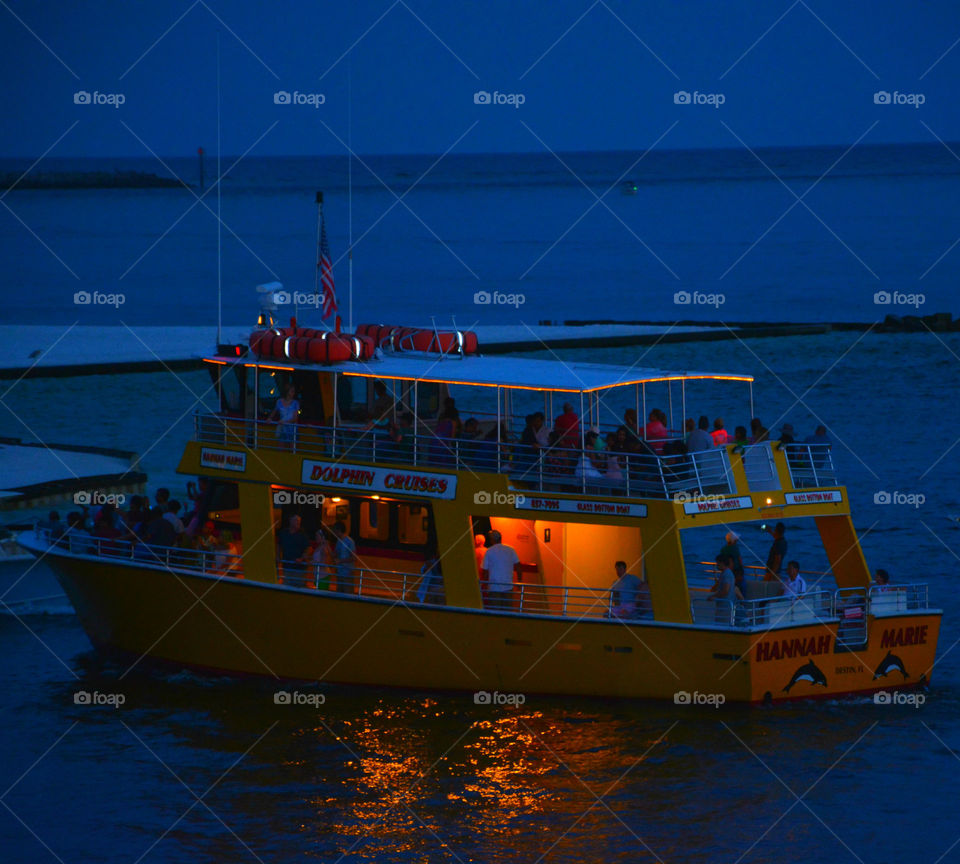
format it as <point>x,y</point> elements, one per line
<point>207,539</point>
<point>450,410</point>
<point>567,426</point>
<point>558,460</point>
<point>406,442</point>
<point>656,430</point>
<point>285,415</point>
<point>794,585</point>
<point>623,593</point>
<point>631,424</point>
<point>162,497</point>
<point>588,465</point>
<point>732,549</point>
<point>399,439</point>
<point>320,561</point>
<point>293,545</point>
<point>445,432</point>
<point>431,582</point>
<point>345,554</point>
<point>796,460</point>
<point>882,580</point>
<point>159,532</point>
<point>819,436</point>
<point>700,439</point>
<point>500,564</point>
<point>471,429</point>
<point>135,514</point>
<point>173,509</point>
<point>689,427</point>
<point>52,525</point>
<point>758,434</point>
<point>614,473</point>
<point>725,590</point>
<point>676,470</point>
<point>76,537</point>
<point>469,451</point>
<point>778,551</point>
<point>720,435</point>
<point>227,559</point>
<point>479,550</point>
<point>740,438</point>
<point>540,429</point>
<point>199,494</point>
<point>486,451</point>
<point>384,407</point>
<point>820,448</point>
<point>620,446</point>
<point>642,466</point>
<point>392,437</point>
<point>528,453</point>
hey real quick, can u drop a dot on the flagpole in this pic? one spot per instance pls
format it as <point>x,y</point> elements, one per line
<point>316,274</point>
<point>350,190</point>
<point>219,220</point>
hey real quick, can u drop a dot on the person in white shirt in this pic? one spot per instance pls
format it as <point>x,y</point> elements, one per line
<point>882,580</point>
<point>173,508</point>
<point>500,563</point>
<point>794,585</point>
<point>345,555</point>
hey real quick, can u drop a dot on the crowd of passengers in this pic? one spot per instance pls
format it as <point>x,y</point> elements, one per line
<point>732,587</point>
<point>112,529</point>
<point>559,452</point>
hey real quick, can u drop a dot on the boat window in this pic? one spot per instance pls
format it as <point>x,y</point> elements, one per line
<point>352,398</point>
<point>311,397</point>
<point>270,387</point>
<point>413,524</point>
<point>375,520</point>
<point>428,396</point>
<point>231,389</point>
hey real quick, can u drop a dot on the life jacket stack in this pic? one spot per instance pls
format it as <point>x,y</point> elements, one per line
<point>395,338</point>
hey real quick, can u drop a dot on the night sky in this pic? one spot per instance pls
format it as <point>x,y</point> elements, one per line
<point>590,75</point>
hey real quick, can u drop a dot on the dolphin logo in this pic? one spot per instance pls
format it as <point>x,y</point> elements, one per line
<point>890,663</point>
<point>808,672</point>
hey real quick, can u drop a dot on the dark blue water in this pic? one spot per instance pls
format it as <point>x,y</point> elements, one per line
<point>718,222</point>
<point>396,776</point>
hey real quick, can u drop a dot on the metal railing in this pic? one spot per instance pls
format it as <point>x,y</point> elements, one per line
<point>770,612</point>
<point>558,469</point>
<point>848,606</point>
<point>206,561</point>
<point>810,465</point>
<point>892,599</point>
<point>759,466</point>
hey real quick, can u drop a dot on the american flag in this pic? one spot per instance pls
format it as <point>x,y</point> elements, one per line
<point>325,266</point>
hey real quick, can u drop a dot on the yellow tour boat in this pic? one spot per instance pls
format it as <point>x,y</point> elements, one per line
<point>403,457</point>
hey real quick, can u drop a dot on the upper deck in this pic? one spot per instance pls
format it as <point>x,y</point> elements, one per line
<point>394,410</point>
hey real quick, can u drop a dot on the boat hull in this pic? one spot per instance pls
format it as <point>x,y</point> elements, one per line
<point>246,627</point>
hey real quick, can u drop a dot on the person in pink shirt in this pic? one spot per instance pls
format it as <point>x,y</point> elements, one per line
<point>720,435</point>
<point>656,430</point>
